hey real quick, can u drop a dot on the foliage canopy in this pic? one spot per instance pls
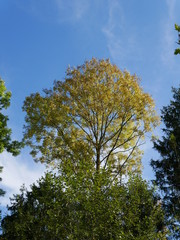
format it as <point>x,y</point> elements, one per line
<point>49,211</point>
<point>90,126</point>
<point>5,132</point>
<point>98,113</point>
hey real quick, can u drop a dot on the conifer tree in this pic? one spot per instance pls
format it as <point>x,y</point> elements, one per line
<point>167,167</point>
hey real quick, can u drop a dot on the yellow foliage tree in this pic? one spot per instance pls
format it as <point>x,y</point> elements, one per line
<point>98,115</point>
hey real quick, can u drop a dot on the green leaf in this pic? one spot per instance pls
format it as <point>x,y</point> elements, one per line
<point>177,51</point>
<point>177,27</point>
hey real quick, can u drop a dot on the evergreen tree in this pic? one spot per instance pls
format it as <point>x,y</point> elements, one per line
<point>85,211</point>
<point>167,168</point>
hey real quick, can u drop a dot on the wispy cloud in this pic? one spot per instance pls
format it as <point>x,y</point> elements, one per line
<point>71,10</point>
<point>110,30</point>
<point>121,42</point>
<point>58,11</point>
<point>17,172</point>
<point>168,34</point>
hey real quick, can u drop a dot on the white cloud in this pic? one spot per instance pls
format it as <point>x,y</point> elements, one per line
<point>171,7</point>
<point>122,44</point>
<point>168,34</point>
<point>16,172</point>
<point>114,43</point>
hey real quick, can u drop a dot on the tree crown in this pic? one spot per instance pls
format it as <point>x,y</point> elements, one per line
<point>98,113</point>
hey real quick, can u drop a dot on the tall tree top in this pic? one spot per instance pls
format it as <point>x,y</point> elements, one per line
<point>98,113</point>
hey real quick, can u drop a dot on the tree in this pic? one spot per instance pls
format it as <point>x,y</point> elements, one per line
<point>90,126</point>
<point>177,50</point>
<point>51,211</point>
<point>167,168</point>
<point>31,212</point>
<point>5,132</point>
<point>98,114</point>
<point>2,192</point>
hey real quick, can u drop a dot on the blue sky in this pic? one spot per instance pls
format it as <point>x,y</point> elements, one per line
<point>40,38</point>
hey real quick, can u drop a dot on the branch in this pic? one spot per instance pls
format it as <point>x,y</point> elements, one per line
<point>118,133</point>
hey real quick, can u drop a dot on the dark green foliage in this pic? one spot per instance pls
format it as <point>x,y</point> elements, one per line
<point>5,132</point>
<point>1,191</point>
<point>167,168</point>
<point>31,212</point>
<point>52,210</point>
